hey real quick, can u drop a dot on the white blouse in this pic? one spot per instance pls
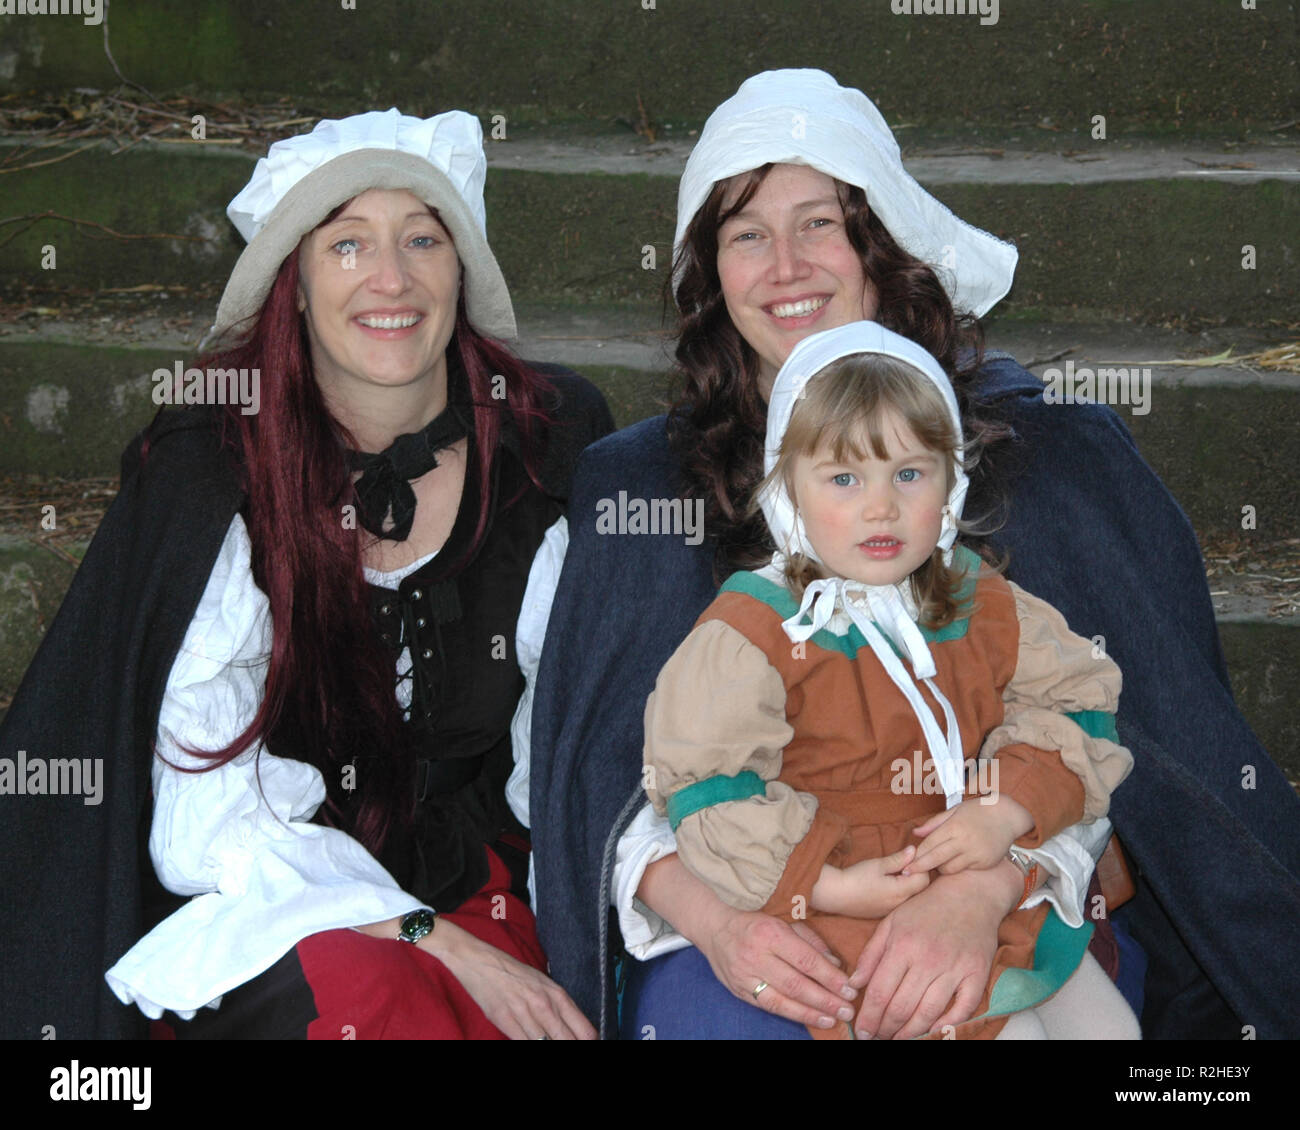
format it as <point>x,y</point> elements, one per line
<point>262,878</point>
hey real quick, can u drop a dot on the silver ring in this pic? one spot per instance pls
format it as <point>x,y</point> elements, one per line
<point>759,988</point>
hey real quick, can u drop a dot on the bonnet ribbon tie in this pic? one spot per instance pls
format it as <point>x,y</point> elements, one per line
<point>888,609</point>
<point>385,488</point>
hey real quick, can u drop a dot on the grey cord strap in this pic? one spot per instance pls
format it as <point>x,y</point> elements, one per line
<point>630,809</point>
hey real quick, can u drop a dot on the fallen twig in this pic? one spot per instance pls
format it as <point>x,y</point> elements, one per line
<point>52,160</point>
<point>36,605</point>
<point>118,70</point>
<point>52,215</point>
<point>56,550</point>
<point>1281,358</point>
<point>1054,357</point>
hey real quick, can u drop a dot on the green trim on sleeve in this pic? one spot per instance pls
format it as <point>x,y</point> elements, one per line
<point>711,791</point>
<point>1096,724</point>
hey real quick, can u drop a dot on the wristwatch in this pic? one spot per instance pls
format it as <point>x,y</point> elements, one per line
<point>1028,868</point>
<point>417,924</point>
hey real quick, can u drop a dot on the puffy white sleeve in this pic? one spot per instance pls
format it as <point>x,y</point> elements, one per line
<point>530,632</point>
<point>237,838</point>
<point>649,837</point>
<point>1069,859</point>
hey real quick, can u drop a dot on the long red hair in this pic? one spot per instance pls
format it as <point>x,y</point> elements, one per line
<point>330,683</point>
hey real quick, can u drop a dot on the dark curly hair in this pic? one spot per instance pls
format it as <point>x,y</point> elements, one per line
<point>716,426</point>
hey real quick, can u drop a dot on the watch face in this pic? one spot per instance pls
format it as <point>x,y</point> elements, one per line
<point>416,924</point>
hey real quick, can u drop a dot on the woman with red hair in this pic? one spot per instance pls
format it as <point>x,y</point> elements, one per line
<point>311,613</point>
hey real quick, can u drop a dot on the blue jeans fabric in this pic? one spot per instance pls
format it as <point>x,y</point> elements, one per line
<point>677,997</point>
<point>1131,978</point>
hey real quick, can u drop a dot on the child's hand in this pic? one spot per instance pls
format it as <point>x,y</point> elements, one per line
<point>870,889</point>
<point>970,834</point>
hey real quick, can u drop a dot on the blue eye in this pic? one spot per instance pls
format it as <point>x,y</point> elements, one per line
<point>908,475</point>
<point>426,241</point>
<point>339,247</point>
<point>843,479</point>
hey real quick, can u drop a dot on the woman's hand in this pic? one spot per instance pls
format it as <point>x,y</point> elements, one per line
<point>805,983</point>
<point>523,1003</point>
<point>928,962</point>
<point>750,948</point>
<point>971,834</point>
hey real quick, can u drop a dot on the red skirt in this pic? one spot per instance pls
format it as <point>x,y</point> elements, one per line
<point>345,985</point>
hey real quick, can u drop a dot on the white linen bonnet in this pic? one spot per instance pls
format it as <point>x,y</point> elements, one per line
<point>804,117</point>
<point>303,178</point>
<point>808,358</point>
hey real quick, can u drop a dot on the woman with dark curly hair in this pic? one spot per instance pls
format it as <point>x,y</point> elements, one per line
<point>795,215</point>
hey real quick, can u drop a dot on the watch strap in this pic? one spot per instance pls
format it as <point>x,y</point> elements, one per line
<point>1029,869</point>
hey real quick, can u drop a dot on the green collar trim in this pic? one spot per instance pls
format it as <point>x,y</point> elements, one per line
<point>779,599</point>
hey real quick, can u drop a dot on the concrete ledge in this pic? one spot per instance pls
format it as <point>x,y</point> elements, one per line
<point>934,163</point>
<point>71,411</point>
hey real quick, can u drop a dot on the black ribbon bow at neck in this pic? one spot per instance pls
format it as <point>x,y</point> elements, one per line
<point>385,488</point>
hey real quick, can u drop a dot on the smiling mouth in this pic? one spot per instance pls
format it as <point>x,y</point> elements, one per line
<point>881,543</point>
<point>800,309</point>
<point>391,322</point>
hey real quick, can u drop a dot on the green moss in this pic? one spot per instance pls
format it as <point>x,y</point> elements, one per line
<point>151,192</point>
<point>1158,68</point>
<point>1219,449</point>
<point>632,394</point>
<point>33,582</point>
<point>1264,665</point>
<point>1155,250</point>
<point>71,410</point>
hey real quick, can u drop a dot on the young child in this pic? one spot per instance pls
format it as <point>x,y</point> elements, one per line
<point>825,712</point>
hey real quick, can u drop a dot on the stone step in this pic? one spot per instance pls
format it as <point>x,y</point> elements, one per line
<point>1212,246</point>
<point>635,336</point>
<point>1156,67</point>
<point>1221,438</point>
<point>933,157</point>
<point>932,160</point>
<point>1263,659</point>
